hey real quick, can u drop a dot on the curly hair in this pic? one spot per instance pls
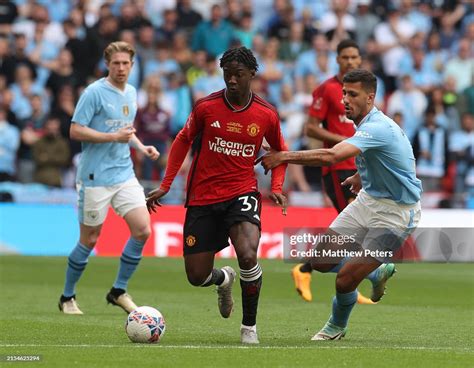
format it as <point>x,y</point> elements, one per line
<point>241,55</point>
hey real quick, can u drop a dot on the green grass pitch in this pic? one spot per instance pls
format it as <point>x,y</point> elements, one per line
<point>425,320</point>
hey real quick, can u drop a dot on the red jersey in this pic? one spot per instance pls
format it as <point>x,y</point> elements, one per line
<point>230,139</point>
<point>328,107</point>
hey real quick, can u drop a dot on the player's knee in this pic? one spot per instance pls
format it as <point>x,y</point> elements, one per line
<point>247,259</point>
<point>91,240</point>
<point>345,283</point>
<point>142,233</point>
<point>196,278</point>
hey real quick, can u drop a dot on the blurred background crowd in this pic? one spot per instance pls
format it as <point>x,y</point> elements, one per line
<point>422,52</point>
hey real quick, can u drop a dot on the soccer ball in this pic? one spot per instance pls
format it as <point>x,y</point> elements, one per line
<point>145,325</point>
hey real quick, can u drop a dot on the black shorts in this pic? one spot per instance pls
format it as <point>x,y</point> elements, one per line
<point>206,228</point>
<point>340,196</point>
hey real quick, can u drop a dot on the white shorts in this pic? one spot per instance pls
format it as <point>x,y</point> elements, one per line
<point>379,225</point>
<point>93,202</point>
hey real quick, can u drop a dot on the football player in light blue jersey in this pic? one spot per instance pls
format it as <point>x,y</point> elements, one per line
<point>103,122</point>
<point>386,210</point>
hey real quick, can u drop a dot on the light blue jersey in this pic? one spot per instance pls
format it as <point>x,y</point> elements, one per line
<point>386,164</point>
<point>105,108</point>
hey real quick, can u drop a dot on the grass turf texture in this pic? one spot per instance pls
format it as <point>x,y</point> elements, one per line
<point>426,319</point>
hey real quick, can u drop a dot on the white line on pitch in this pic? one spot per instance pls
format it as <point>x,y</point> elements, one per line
<point>163,346</point>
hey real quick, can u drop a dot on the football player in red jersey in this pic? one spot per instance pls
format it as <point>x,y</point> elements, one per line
<point>222,196</point>
<point>327,122</point>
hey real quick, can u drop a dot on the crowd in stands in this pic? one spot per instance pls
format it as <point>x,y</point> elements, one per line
<point>422,52</point>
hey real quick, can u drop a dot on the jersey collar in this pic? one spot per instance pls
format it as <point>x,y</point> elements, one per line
<point>112,87</point>
<point>366,117</point>
<point>232,108</point>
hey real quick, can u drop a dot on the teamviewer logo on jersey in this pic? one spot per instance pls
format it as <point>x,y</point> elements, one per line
<point>230,148</point>
<point>216,124</point>
<point>248,150</point>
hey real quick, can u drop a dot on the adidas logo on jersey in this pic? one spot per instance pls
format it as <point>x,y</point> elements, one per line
<point>216,124</point>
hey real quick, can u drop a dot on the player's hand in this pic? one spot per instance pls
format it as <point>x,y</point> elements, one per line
<point>151,152</point>
<point>152,200</point>
<point>123,135</point>
<point>280,200</point>
<point>270,160</point>
<point>354,182</point>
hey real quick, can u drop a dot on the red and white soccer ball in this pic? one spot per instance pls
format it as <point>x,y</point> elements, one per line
<point>145,325</point>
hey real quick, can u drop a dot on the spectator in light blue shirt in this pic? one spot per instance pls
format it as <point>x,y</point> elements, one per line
<point>209,83</point>
<point>411,102</point>
<point>307,62</point>
<point>317,8</point>
<point>179,95</point>
<point>262,12</point>
<point>272,70</point>
<point>430,147</point>
<point>23,87</point>
<point>424,76</point>
<point>42,52</point>
<point>436,57</point>
<point>58,9</point>
<point>162,65</point>
<point>417,15</point>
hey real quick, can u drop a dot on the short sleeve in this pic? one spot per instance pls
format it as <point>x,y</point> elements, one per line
<point>86,108</point>
<point>370,136</point>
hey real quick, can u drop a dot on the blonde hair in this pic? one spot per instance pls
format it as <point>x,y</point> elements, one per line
<point>119,46</point>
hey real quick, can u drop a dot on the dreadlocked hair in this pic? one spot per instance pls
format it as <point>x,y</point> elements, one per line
<point>241,55</point>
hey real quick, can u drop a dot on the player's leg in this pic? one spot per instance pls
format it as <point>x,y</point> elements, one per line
<point>389,226</point>
<point>353,217</point>
<point>201,272</point>
<point>129,203</point>
<point>242,218</point>
<point>373,277</point>
<point>347,280</point>
<point>245,237</point>
<point>92,209</point>
<point>77,262</point>
<point>340,197</point>
<point>204,235</point>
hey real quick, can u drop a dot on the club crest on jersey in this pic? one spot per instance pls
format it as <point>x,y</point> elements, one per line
<point>190,240</point>
<point>125,110</point>
<point>253,129</point>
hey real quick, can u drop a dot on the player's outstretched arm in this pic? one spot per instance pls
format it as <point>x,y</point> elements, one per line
<point>318,157</point>
<point>83,133</point>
